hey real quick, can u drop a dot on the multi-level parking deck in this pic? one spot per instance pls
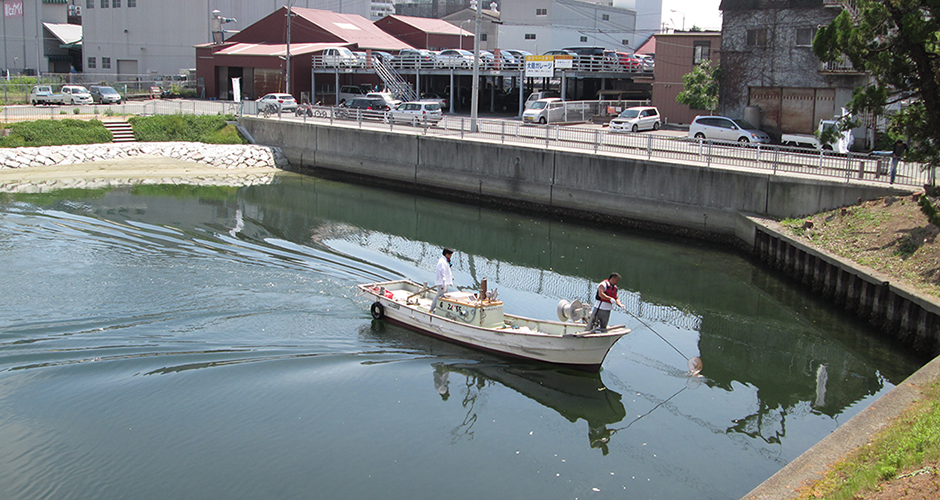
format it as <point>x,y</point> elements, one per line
<point>415,77</point>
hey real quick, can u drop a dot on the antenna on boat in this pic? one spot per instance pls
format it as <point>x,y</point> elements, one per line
<point>573,310</point>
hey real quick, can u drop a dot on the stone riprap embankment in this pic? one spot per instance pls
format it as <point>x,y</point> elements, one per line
<point>217,155</point>
<point>44,169</point>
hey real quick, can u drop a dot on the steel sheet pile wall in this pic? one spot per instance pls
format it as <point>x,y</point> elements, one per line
<point>897,310</point>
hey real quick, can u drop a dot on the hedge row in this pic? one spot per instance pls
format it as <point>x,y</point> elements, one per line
<point>54,133</point>
<point>208,129</point>
<point>162,128</point>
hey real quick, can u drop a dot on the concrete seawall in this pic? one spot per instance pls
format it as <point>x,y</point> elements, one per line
<point>659,194</point>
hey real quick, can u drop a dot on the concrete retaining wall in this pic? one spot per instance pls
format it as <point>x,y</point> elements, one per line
<point>656,193</point>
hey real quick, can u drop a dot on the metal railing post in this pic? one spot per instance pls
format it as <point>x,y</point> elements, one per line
<point>649,146</point>
<point>461,127</point>
<point>502,133</point>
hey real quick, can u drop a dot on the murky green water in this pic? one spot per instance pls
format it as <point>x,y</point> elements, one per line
<point>175,342</point>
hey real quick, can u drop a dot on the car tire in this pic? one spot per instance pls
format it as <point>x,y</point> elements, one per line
<point>699,135</point>
<point>378,310</point>
<point>743,140</point>
<point>635,128</point>
<point>656,126</point>
<point>542,120</point>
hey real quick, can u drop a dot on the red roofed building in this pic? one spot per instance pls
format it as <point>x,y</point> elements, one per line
<point>425,33</point>
<point>257,54</point>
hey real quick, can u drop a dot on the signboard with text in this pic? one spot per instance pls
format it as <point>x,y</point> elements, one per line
<point>13,8</point>
<point>539,66</point>
<point>564,62</point>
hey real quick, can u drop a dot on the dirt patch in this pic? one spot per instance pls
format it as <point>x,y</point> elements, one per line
<point>890,235</point>
<point>920,484</point>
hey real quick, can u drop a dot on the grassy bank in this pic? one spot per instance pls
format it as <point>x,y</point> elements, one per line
<point>892,464</point>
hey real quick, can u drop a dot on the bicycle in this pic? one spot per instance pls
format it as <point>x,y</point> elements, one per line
<point>268,110</point>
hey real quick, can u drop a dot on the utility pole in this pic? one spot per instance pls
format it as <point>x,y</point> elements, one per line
<point>287,61</point>
<point>475,96</point>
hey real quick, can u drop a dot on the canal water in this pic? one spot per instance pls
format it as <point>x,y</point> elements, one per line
<point>207,342</point>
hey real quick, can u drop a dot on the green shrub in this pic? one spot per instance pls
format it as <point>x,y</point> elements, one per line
<point>188,128</point>
<point>55,133</point>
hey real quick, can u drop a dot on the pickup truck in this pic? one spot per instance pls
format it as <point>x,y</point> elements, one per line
<point>841,145</point>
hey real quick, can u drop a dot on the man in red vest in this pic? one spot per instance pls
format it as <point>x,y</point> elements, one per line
<point>604,300</point>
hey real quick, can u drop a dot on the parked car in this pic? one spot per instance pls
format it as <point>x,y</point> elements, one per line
<point>411,58</point>
<point>636,119</point>
<point>434,97</point>
<point>282,102</point>
<point>539,95</point>
<point>385,57</point>
<point>348,92</point>
<point>455,58</point>
<point>339,57</point>
<point>647,61</point>
<point>621,61</point>
<point>373,108</point>
<point>519,55</point>
<point>102,94</point>
<point>74,94</point>
<point>589,58</point>
<point>387,96</point>
<point>40,94</point>
<point>417,112</point>
<point>543,111</point>
<point>721,128</point>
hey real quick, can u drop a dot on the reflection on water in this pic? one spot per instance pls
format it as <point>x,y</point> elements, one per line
<point>218,329</point>
<point>575,396</point>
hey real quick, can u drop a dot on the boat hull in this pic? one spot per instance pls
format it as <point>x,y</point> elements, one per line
<point>579,349</point>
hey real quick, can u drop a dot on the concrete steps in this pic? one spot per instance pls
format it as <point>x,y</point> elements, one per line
<point>120,130</point>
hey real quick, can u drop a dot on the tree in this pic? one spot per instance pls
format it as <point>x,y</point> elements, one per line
<point>701,87</point>
<point>896,42</point>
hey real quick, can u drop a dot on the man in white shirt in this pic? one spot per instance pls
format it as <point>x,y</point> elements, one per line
<point>604,299</point>
<point>443,277</point>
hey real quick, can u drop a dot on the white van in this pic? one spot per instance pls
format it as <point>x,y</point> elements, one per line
<point>543,111</point>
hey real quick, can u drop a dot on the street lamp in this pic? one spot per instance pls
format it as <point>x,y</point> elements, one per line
<point>462,31</point>
<point>683,18</point>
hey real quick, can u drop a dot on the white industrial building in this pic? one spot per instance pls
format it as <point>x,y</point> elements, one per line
<point>541,25</point>
<point>156,37</point>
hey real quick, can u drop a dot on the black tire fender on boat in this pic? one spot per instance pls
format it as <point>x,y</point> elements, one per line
<point>378,310</point>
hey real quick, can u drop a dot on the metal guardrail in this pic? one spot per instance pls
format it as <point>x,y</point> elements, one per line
<point>764,158</point>
<point>596,64</point>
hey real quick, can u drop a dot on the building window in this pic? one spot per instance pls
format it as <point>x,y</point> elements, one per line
<point>132,3</point>
<point>805,36</point>
<point>105,63</point>
<point>625,42</point>
<point>605,17</point>
<point>530,36</point>
<point>482,37</point>
<point>701,51</point>
<point>583,38</point>
<point>104,4</point>
<point>116,4</point>
<point>91,63</point>
<point>541,12</point>
<point>90,4</point>
<point>757,37</point>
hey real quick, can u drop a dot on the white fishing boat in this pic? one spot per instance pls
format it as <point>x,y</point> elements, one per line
<point>477,320</point>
